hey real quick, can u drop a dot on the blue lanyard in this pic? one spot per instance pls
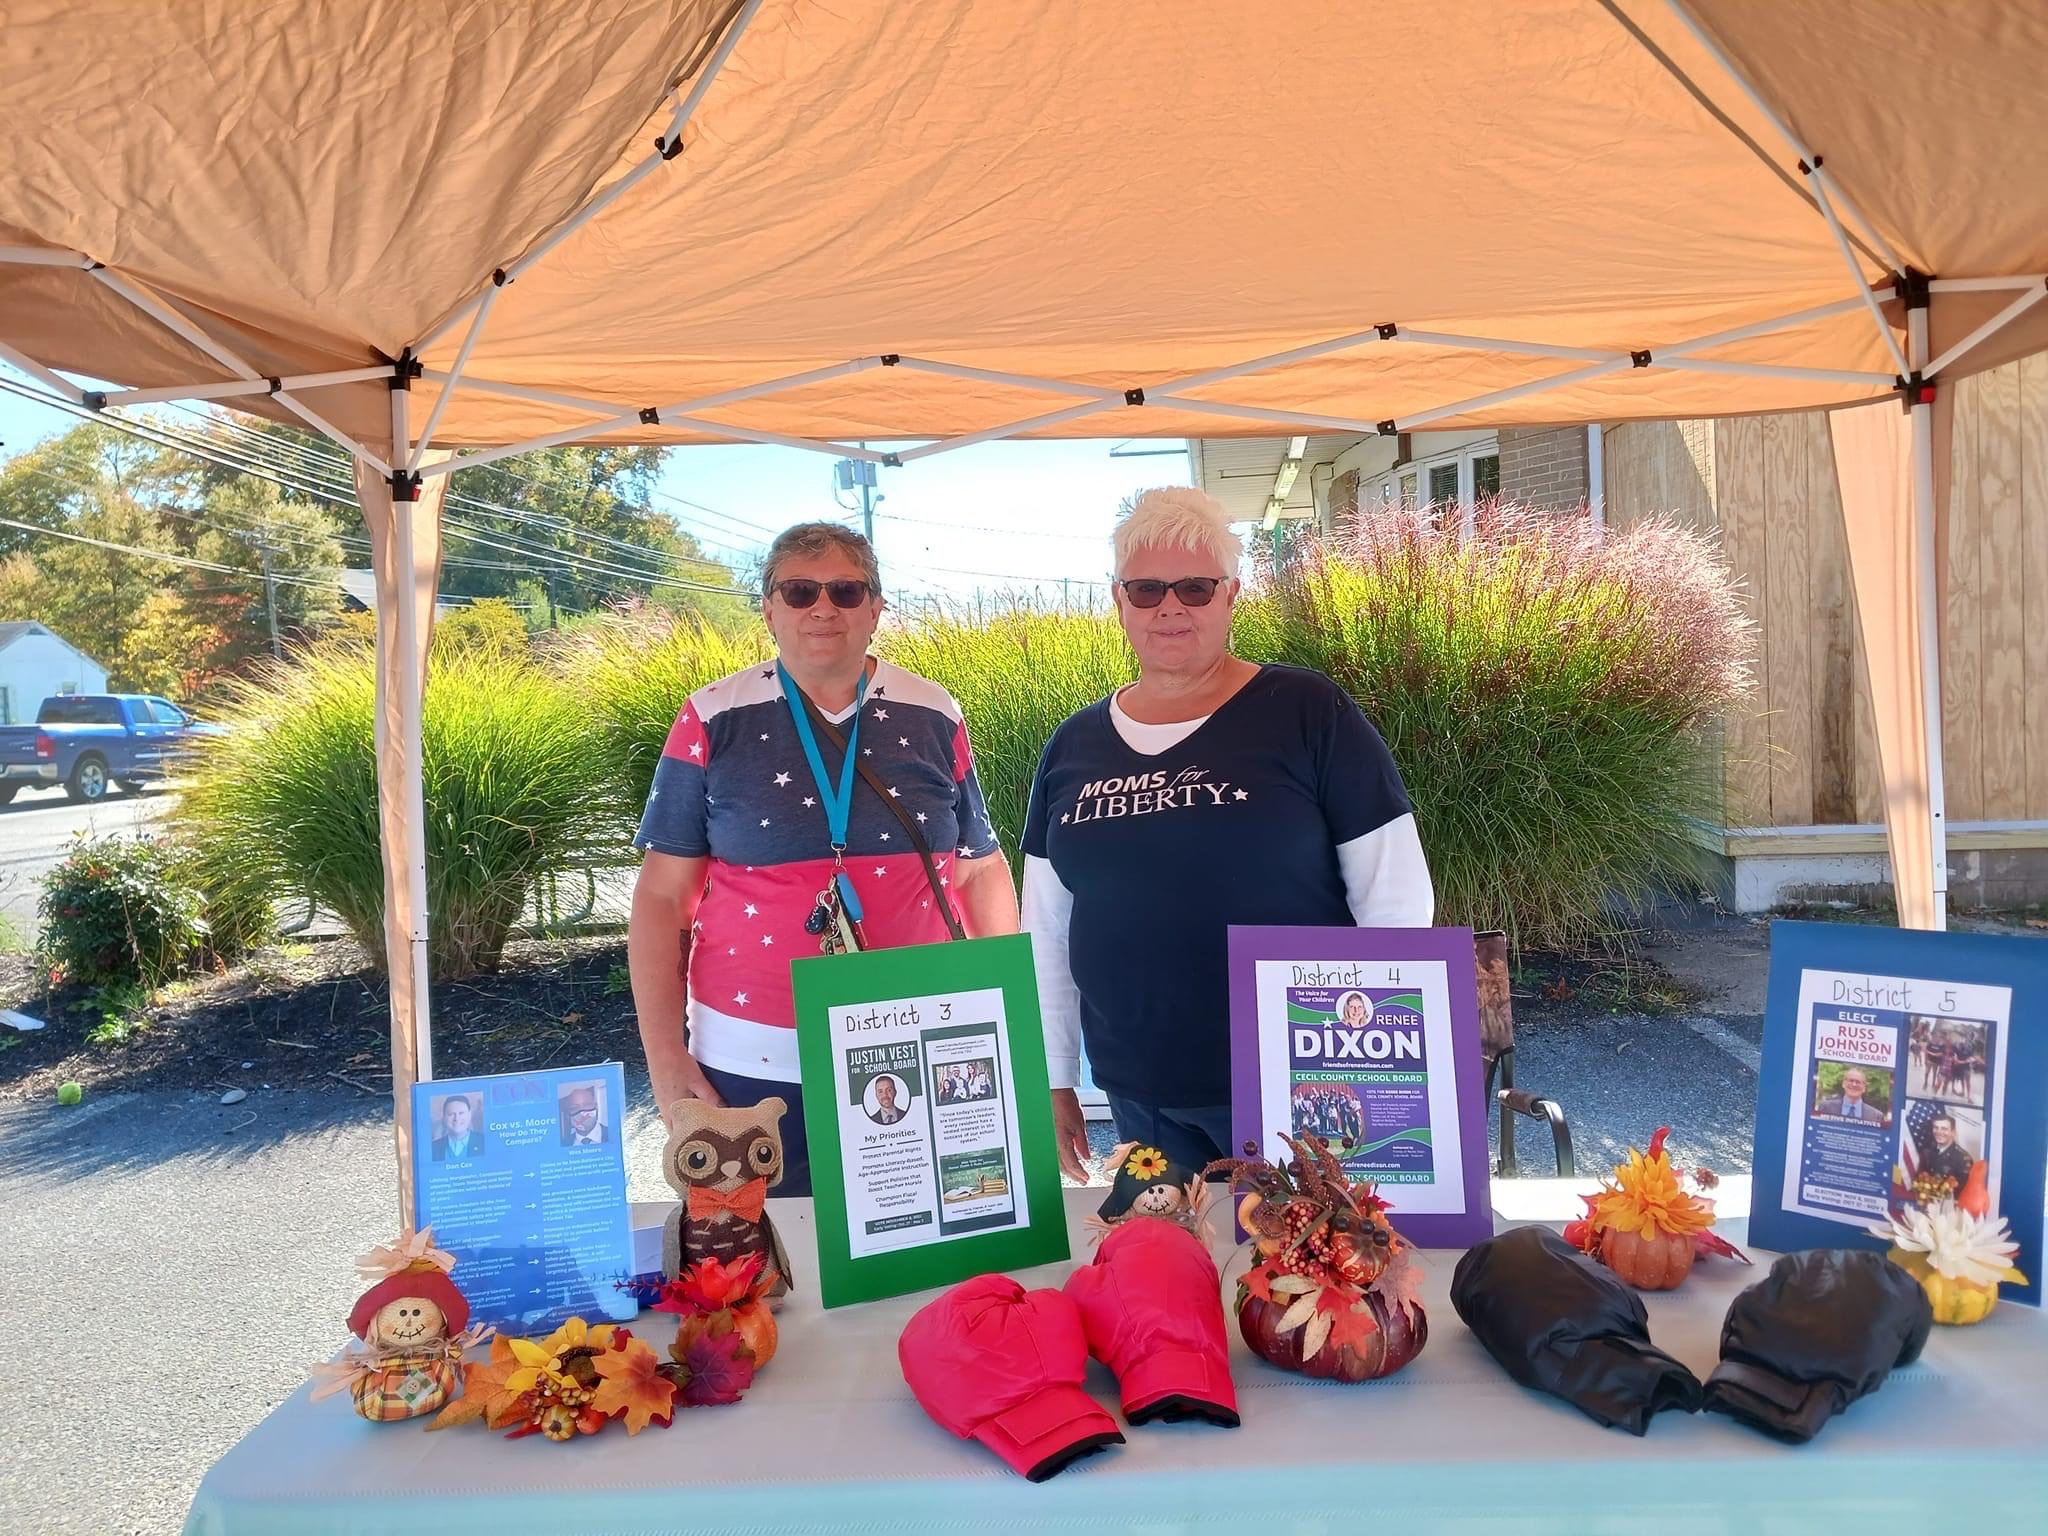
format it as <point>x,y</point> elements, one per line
<point>838,807</point>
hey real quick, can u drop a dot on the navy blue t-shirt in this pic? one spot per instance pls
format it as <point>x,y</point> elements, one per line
<point>1237,823</point>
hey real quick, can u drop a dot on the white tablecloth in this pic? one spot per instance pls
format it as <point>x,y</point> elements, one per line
<point>829,1438</point>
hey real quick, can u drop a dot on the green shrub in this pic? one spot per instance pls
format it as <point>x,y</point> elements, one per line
<point>489,628</point>
<point>122,912</point>
<point>509,765</point>
<point>631,672</point>
<point>1547,689</point>
<point>1017,672</point>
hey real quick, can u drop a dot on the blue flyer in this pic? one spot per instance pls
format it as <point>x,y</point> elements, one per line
<point>522,1176</point>
<point>1900,1068</point>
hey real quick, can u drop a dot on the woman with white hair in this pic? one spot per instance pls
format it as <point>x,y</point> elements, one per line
<point>1210,792</point>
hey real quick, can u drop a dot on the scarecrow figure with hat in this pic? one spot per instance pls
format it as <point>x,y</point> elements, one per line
<point>414,1325</point>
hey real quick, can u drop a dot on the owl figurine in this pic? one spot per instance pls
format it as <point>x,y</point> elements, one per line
<point>723,1161</point>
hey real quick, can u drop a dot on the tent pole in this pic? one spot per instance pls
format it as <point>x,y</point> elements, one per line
<point>1930,618</point>
<point>654,415</point>
<point>1996,323</point>
<point>476,329</point>
<point>412,787</point>
<point>42,256</point>
<point>669,144</point>
<point>1827,210</point>
<point>161,312</point>
<point>1720,54</point>
<point>42,375</point>
<point>235,388</point>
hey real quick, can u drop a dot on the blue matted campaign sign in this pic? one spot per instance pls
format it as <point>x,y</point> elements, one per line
<point>1900,1066</point>
<point>522,1176</point>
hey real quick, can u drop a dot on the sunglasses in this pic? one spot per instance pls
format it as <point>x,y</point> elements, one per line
<point>1195,591</point>
<point>802,592</point>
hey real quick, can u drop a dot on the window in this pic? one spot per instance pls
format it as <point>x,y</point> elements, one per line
<point>6,706</point>
<point>1485,476</point>
<point>1443,483</point>
<point>166,713</point>
<point>76,709</point>
<point>1407,499</point>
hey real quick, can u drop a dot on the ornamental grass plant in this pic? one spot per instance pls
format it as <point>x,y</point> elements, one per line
<point>1548,688</point>
<point>510,771</point>
<point>629,674</point>
<point>1017,671</point>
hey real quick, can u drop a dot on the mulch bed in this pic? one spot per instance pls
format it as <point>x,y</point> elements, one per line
<point>316,1015</point>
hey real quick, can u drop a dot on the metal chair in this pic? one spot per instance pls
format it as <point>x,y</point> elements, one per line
<point>1497,1050</point>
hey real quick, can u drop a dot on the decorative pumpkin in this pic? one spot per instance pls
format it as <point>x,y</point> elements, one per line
<point>1648,1261</point>
<point>756,1324</point>
<point>1645,1225</point>
<point>1959,1256</point>
<point>1397,1336</point>
<point>1331,1288</point>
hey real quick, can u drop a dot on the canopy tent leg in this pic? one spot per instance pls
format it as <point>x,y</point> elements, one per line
<point>1928,490</point>
<point>403,515</point>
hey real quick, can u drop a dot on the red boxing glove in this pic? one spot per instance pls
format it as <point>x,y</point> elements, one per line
<point>1152,1304</point>
<point>995,1363</point>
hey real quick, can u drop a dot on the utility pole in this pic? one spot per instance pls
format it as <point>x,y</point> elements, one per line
<point>547,578</point>
<point>850,473</point>
<point>270,598</point>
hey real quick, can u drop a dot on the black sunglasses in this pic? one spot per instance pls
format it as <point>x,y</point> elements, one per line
<point>1195,591</point>
<point>802,592</point>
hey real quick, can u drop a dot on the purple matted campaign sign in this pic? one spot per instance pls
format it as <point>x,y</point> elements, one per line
<point>1369,1038</point>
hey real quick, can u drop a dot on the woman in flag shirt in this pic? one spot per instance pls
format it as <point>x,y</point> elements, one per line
<point>739,838</point>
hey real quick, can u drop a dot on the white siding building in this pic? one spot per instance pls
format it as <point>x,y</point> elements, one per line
<point>36,663</point>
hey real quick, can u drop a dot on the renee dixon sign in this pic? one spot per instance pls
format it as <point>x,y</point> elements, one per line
<point>1369,1039</point>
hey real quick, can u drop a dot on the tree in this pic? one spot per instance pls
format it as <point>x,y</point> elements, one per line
<point>156,655</point>
<point>249,526</point>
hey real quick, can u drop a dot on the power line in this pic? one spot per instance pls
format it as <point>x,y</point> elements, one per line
<point>167,437</point>
<point>156,554</point>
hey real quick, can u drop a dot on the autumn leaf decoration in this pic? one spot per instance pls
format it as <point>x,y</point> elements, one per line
<point>633,1387</point>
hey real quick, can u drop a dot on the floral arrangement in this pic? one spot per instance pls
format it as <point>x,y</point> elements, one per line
<point>1959,1257</point>
<point>584,1376</point>
<point>1646,1225</point>
<point>1331,1290</point>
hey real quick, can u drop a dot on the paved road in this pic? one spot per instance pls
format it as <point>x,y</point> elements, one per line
<point>36,827</point>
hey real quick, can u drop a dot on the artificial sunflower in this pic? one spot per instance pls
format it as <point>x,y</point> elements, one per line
<point>1146,1163</point>
<point>543,1361</point>
<point>1647,1197</point>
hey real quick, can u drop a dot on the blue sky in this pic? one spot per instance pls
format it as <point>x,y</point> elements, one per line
<point>996,517</point>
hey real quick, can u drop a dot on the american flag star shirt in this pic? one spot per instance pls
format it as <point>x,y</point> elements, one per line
<point>733,785</point>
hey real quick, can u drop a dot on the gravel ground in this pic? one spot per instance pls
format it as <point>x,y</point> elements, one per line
<point>209,1249</point>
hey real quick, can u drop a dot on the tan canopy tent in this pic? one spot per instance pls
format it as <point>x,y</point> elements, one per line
<point>428,225</point>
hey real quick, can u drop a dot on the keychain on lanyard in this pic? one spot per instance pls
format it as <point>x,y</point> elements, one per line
<point>838,906</point>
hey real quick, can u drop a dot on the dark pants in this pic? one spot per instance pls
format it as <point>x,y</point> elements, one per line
<point>1193,1138</point>
<point>739,1092</point>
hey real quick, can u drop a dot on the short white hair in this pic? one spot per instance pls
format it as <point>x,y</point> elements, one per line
<point>1177,516</point>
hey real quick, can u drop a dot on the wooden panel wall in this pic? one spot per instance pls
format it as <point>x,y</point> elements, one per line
<point>1803,751</point>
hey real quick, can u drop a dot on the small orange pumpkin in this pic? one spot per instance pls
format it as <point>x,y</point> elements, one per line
<point>1649,1263</point>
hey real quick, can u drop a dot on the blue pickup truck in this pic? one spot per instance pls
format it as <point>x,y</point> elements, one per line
<point>89,741</point>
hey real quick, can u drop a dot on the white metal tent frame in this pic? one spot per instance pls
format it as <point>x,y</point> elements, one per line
<point>1914,380</point>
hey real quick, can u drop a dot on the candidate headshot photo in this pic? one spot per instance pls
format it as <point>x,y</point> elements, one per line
<point>581,1109</point>
<point>458,1126</point>
<point>1861,1095</point>
<point>887,1099</point>
<point>1354,1010</point>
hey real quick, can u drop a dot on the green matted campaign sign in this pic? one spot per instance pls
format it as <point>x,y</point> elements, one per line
<point>929,1116</point>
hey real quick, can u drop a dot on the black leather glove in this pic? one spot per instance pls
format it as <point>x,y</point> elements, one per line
<point>1566,1324</point>
<point>1819,1331</point>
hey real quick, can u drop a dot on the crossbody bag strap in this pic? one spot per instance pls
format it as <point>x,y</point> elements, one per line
<point>833,734</point>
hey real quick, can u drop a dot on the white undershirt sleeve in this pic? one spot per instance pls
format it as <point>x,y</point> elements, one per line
<point>1048,910</point>
<point>1386,879</point>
